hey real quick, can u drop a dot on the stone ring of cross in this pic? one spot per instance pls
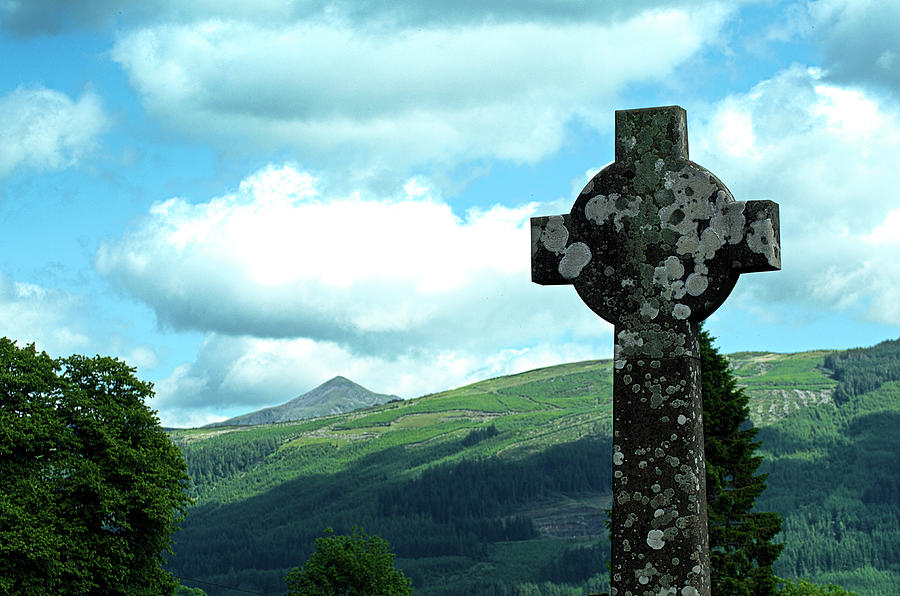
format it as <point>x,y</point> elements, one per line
<point>654,238</point>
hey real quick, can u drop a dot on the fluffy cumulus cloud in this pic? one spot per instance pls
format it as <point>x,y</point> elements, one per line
<point>45,317</point>
<point>409,85</point>
<point>859,39</point>
<point>62,323</point>
<point>289,283</point>
<point>828,155</point>
<point>46,129</point>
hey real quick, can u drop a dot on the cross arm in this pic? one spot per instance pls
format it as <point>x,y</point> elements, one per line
<point>760,247</point>
<point>554,261</point>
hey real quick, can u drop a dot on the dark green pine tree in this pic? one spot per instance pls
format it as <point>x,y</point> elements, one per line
<point>741,547</point>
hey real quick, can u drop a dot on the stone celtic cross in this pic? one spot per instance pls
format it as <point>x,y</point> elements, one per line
<point>654,244</point>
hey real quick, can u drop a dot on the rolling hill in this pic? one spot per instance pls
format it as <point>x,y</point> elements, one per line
<point>501,485</point>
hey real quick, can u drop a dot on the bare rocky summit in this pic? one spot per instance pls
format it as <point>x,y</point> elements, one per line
<point>336,396</point>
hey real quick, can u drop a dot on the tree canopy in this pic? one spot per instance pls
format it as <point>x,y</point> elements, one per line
<point>349,565</point>
<point>92,487</point>
<point>804,587</point>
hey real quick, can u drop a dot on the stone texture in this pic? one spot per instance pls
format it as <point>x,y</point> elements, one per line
<point>654,244</point>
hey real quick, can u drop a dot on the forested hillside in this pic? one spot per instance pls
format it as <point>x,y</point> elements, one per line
<point>502,484</point>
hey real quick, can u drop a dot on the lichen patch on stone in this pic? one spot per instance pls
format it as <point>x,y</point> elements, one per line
<point>655,539</point>
<point>574,259</point>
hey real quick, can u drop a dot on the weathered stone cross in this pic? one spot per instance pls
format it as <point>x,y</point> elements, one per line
<point>654,244</point>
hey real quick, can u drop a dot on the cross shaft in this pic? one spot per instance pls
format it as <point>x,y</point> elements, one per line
<point>654,244</point>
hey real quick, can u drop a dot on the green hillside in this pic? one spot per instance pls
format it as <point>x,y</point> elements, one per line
<point>501,485</point>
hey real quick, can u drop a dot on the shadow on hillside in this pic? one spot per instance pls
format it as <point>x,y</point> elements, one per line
<point>251,542</point>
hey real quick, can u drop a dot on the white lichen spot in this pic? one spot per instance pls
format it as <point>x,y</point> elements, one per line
<point>658,513</point>
<point>681,311</point>
<point>618,458</point>
<point>710,242</point>
<point>729,219</point>
<point>674,268</point>
<point>629,339</point>
<point>681,419</point>
<point>687,245</point>
<point>555,235</point>
<point>696,284</point>
<point>658,166</point>
<point>691,203</point>
<point>669,180</point>
<point>668,277</point>
<point>689,591</point>
<point>644,575</point>
<point>575,258</point>
<point>655,539</point>
<point>601,207</point>
<point>762,240</point>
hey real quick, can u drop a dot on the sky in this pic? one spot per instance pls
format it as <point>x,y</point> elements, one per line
<point>245,199</point>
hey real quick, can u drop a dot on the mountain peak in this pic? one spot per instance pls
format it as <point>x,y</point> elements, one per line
<point>335,396</point>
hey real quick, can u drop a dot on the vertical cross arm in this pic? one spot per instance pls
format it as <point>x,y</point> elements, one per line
<point>555,258</point>
<point>760,245</point>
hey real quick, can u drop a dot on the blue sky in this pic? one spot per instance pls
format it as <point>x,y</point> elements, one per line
<point>244,199</point>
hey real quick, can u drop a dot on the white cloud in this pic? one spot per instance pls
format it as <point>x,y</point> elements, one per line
<point>46,317</point>
<point>291,288</point>
<point>62,323</point>
<point>45,129</point>
<point>36,17</point>
<point>829,156</point>
<point>857,38</point>
<point>338,93</point>
<point>377,275</point>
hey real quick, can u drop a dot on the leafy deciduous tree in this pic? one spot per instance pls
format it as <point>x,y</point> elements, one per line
<point>804,587</point>
<point>92,487</point>
<point>350,565</point>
